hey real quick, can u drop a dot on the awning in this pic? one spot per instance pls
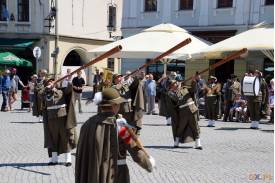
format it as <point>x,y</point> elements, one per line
<point>9,59</point>
<point>154,41</point>
<point>15,43</point>
<point>256,39</point>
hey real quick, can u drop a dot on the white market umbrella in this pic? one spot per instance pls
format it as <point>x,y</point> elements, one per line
<point>154,41</point>
<point>257,39</point>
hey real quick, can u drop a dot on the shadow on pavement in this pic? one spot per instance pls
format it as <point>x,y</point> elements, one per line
<point>233,128</point>
<point>22,166</point>
<point>155,125</point>
<point>169,148</point>
<point>23,122</point>
<point>268,131</point>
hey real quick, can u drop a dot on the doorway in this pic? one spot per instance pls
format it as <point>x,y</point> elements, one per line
<point>224,71</point>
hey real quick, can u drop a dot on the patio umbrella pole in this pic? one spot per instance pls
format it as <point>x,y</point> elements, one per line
<point>223,61</point>
<point>99,58</point>
<point>168,52</point>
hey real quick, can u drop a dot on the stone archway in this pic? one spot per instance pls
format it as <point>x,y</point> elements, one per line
<point>75,58</point>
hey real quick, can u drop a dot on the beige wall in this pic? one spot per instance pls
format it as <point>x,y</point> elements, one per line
<point>240,67</point>
<point>81,46</point>
<point>191,66</point>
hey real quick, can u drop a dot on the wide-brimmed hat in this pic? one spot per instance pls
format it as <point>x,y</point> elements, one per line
<point>111,96</point>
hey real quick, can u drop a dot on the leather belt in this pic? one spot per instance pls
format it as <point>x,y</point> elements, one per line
<point>211,95</point>
<point>56,106</point>
<point>187,104</point>
<point>121,162</point>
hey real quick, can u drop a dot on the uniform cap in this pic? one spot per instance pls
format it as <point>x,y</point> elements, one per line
<point>47,80</point>
<point>111,96</point>
<point>116,76</point>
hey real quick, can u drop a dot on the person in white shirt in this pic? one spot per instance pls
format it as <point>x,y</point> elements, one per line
<point>68,79</point>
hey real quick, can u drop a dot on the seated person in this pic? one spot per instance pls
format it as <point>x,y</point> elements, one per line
<point>238,108</point>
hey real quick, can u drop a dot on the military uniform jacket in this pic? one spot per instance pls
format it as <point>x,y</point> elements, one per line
<point>163,97</point>
<point>59,106</point>
<point>182,108</point>
<point>37,100</point>
<point>137,155</point>
<point>182,97</point>
<point>132,110</point>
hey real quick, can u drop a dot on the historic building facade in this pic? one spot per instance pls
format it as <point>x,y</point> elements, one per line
<point>212,20</point>
<point>64,30</point>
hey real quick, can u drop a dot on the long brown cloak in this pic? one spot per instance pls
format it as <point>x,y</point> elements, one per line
<point>96,155</point>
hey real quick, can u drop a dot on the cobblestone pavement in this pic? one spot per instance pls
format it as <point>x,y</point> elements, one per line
<point>232,152</point>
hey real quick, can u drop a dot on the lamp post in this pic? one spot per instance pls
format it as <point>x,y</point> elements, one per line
<point>56,48</point>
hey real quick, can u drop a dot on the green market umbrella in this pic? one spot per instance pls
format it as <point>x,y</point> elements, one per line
<point>9,59</point>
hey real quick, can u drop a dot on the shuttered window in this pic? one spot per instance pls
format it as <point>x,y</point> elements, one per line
<point>225,3</point>
<point>150,5</point>
<point>23,11</point>
<point>186,5</point>
<point>269,2</point>
<point>4,14</point>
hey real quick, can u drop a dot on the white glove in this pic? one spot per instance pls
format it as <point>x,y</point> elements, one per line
<point>121,122</point>
<point>98,98</point>
<point>152,161</point>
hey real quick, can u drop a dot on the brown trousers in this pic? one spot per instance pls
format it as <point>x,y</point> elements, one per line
<point>254,110</point>
<point>188,125</point>
<point>58,135</point>
<point>211,107</point>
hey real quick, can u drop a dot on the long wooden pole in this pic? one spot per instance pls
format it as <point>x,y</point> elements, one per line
<point>223,61</point>
<point>168,52</point>
<point>99,58</point>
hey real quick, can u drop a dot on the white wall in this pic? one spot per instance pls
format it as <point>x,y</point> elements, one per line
<point>203,15</point>
<point>87,18</point>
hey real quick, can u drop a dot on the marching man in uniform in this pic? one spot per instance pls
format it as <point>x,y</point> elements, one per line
<point>37,102</point>
<point>211,99</point>
<point>184,115</point>
<point>102,145</point>
<point>59,121</point>
<point>254,103</point>
<point>132,108</point>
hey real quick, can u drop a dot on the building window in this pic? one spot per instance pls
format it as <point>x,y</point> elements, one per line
<point>23,11</point>
<point>269,2</point>
<point>111,18</point>
<point>4,14</point>
<point>150,5</point>
<point>186,4</point>
<point>225,3</point>
<point>111,64</point>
